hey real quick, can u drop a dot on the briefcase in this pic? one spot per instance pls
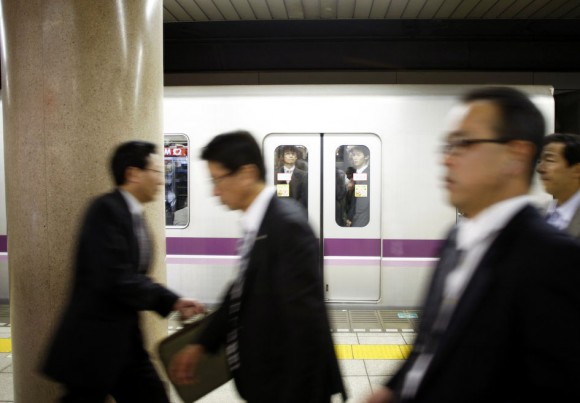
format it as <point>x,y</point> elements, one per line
<point>212,371</point>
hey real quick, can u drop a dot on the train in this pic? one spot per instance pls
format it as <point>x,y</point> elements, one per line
<point>384,259</point>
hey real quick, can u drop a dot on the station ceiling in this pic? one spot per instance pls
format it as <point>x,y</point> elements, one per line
<point>384,35</point>
<point>253,10</point>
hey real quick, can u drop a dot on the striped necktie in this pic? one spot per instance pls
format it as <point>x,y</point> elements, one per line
<point>232,349</point>
<point>439,311</point>
<point>143,242</point>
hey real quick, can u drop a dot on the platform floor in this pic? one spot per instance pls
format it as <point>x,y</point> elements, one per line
<point>370,344</point>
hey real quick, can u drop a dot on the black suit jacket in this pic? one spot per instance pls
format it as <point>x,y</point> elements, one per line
<point>99,331</point>
<point>298,185</point>
<point>286,350</point>
<point>498,346</point>
<point>359,210</point>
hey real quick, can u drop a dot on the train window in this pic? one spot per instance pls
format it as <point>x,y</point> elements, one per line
<point>291,172</point>
<point>176,180</point>
<point>352,186</point>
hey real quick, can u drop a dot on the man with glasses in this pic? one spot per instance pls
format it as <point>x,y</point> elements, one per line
<point>97,349</point>
<point>502,275</point>
<point>273,320</point>
<point>559,170</point>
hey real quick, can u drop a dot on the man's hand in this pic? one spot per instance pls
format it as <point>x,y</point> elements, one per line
<point>188,307</point>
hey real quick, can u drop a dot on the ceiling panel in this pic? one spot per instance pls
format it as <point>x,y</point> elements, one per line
<point>396,9</point>
<point>431,8</point>
<point>413,8</point>
<point>345,9</point>
<point>244,10</point>
<point>260,8</point>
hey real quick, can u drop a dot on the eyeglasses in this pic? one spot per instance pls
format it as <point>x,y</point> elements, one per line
<point>458,146</point>
<point>219,179</point>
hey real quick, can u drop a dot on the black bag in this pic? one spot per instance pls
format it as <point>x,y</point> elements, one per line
<point>212,371</point>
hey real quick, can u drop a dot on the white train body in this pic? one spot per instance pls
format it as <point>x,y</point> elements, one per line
<point>387,261</point>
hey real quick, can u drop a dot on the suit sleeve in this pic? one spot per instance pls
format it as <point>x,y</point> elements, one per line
<point>214,335</point>
<point>106,262</point>
<point>298,283</point>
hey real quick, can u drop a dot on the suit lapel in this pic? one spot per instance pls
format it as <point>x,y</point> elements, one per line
<point>491,263</point>
<point>124,216</point>
<point>574,226</point>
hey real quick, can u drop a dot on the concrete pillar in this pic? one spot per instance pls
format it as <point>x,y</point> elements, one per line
<point>78,77</point>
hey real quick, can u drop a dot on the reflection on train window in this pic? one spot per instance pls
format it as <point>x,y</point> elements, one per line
<point>352,186</point>
<point>291,172</point>
<point>176,174</point>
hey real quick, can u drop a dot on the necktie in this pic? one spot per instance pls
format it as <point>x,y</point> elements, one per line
<point>438,311</point>
<point>232,350</point>
<point>143,242</point>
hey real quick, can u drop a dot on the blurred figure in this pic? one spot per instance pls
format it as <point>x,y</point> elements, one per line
<point>273,319</point>
<point>349,196</point>
<point>98,347</point>
<point>359,210</point>
<point>501,270</point>
<point>559,170</point>
<point>292,181</point>
<point>340,197</point>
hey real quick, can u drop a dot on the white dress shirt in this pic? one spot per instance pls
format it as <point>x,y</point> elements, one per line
<point>560,216</point>
<point>474,237</point>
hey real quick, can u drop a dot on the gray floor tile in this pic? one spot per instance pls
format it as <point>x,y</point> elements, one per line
<point>6,388</point>
<point>225,394</point>
<point>344,339</point>
<point>378,381</point>
<point>5,362</point>
<point>410,337</point>
<point>382,367</point>
<point>352,367</point>
<point>383,339</point>
<point>358,388</point>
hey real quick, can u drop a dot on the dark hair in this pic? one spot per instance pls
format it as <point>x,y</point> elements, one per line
<point>520,119</point>
<point>291,149</point>
<point>362,149</point>
<point>234,150</point>
<point>130,154</point>
<point>571,145</point>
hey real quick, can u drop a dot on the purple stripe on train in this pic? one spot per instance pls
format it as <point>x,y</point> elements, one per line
<point>201,246</point>
<point>352,247</point>
<point>411,247</point>
<point>400,248</point>
<point>3,243</point>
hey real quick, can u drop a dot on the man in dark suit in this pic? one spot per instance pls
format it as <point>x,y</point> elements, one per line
<point>297,186</point>
<point>273,319</point>
<point>501,271</point>
<point>359,209</point>
<point>559,170</point>
<point>98,347</point>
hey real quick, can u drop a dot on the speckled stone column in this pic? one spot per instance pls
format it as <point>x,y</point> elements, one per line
<point>78,78</point>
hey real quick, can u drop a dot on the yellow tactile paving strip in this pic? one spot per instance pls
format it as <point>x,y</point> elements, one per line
<point>371,351</point>
<point>5,346</point>
<point>343,351</point>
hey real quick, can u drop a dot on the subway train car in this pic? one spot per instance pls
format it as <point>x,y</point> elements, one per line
<point>365,164</point>
<point>383,255</point>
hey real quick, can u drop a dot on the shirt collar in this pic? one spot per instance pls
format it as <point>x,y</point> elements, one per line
<point>134,206</point>
<point>488,222</point>
<point>253,216</point>
<point>359,170</point>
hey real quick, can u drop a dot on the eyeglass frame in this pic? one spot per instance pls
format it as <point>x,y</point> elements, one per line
<point>219,179</point>
<point>450,147</point>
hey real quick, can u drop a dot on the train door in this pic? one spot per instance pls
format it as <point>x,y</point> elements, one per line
<point>337,177</point>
